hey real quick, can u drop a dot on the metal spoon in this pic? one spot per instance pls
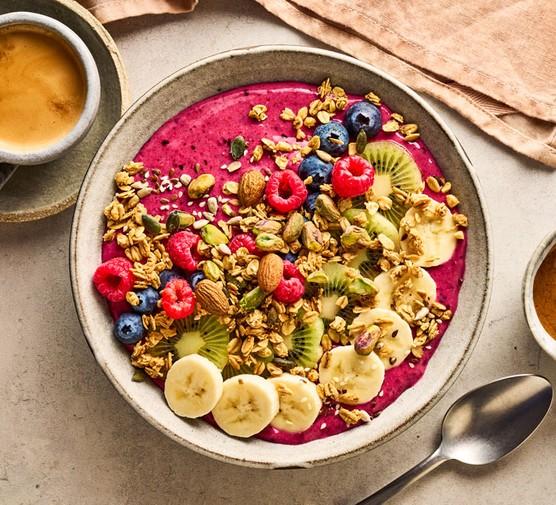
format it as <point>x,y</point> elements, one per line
<point>482,426</point>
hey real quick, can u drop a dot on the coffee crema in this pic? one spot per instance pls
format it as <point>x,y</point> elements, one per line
<point>42,88</point>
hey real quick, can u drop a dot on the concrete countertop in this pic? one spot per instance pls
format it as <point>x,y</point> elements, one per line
<point>68,437</point>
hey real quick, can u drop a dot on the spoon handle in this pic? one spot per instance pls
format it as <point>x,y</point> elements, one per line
<point>428,464</point>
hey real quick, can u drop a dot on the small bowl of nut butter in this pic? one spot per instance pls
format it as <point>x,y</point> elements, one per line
<point>539,294</point>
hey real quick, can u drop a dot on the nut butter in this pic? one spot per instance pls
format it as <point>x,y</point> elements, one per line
<point>544,293</point>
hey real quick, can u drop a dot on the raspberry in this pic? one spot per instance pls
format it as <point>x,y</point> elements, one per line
<point>352,176</point>
<point>243,240</point>
<point>181,248</point>
<point>292,285</point>
<point>114,279</point>
<point>178,299</point>
<point>285,191</point>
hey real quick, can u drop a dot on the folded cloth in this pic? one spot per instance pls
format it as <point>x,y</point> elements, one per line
<point>494,62</point>
<point>112,10</point>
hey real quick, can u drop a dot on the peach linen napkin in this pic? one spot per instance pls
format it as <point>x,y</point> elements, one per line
<point>492,61</point>
<point>112,10</point>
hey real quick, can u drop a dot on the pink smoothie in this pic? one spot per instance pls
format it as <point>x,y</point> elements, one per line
<point>201,135</point>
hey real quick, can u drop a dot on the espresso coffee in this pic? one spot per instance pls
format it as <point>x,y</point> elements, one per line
<point>42,88</point>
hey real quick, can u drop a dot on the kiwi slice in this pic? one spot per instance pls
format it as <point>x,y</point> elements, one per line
<point>336,286</point>
<point>229,371</point>
<point>366,261</point>
<point>304,344</point>
<point>394,167</point>
<point>205,336</point>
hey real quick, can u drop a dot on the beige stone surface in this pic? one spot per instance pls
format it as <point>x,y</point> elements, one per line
<point>67,437</point>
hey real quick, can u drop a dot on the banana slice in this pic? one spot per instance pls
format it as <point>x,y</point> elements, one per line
<point>397,340</point>
<point>193,386</point>
<point>358,378</point>
<point>428,233</point>
<point>402,285</point>
<point>300,403</point>
<point>247,405</point>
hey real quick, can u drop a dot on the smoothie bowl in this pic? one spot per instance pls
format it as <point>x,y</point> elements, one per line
<point>281,270</point>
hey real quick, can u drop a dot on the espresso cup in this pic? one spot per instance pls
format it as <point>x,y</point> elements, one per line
<point>49,88</point>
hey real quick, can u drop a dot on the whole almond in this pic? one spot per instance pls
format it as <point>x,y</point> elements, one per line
<point>271,269</point>
<point>211,297</point>
<point>251,188</point>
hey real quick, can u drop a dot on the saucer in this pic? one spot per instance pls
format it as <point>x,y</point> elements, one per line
<point>40,191</point>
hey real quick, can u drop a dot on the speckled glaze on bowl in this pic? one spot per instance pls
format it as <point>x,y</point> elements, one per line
<point>209,77</point>
<point>545,341</point>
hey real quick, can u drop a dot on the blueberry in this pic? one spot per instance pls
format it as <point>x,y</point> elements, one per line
<point>129,328</point>
<point>319,170</point>
<point>148,299</point>
<point>363,116</point>
<point>166,276</point>
<point>334,138</point>
<point>309,203</point>
<point>291,257</point>
<point>195,277</point>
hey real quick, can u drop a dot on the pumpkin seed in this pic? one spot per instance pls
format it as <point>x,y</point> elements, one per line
<point>361,141</point>
<point>150,224</point>
<point>237,149</point>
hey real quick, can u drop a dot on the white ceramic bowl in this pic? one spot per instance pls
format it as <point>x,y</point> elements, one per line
<point>545,341</point>
<point>207,78</point>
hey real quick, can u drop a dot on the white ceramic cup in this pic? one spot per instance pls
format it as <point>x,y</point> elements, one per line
<point>543,338</point>
<point>92,98</point>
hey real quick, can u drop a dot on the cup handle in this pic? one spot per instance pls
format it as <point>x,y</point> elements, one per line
<point>6,171</point>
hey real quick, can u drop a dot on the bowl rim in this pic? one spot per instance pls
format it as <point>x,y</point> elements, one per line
<point>336,450</point>
<point>545,341</point>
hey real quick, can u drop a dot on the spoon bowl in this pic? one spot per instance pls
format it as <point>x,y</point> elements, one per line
<point>482,426</point>
<point>489,422</point>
